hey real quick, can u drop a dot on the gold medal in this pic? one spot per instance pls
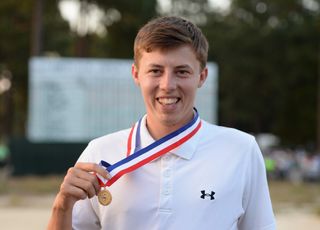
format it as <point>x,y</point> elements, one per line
<point>104,197</point>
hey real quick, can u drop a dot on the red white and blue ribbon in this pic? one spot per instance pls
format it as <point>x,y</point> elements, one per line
<point>137,156</point>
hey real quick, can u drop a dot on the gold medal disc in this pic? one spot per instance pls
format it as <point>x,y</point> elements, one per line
<point>104,197</point>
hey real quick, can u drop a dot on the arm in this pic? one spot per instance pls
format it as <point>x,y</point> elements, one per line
<point>79,183</point>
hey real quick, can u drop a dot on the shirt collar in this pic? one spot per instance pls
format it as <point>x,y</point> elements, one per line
<point>186,150</point>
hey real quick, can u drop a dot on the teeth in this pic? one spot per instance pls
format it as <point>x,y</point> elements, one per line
<point>168,101</point>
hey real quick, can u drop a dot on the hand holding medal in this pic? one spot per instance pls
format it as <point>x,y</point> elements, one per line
<point>83,174</point>
<point>79,183</point>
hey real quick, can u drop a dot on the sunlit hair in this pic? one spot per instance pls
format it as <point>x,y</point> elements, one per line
<point>170,32</point>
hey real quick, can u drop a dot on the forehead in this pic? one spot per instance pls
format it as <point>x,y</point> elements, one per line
<point>183,55</point>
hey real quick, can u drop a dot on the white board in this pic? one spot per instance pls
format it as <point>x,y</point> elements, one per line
<point>77,99</point>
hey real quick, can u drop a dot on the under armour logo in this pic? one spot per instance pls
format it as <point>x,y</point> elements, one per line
<point>204,194</point>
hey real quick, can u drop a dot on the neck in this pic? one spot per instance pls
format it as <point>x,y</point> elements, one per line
<point>158,130</point>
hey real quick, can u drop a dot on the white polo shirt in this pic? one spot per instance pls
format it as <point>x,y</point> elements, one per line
<point>216,180</point>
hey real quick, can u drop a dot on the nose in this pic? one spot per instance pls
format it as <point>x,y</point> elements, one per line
<point>168,82</point>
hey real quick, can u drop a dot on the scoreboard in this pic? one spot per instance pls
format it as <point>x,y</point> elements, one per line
<point>78,99</point>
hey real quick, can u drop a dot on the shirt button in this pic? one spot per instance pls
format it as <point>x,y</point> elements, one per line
<point>166,192</point>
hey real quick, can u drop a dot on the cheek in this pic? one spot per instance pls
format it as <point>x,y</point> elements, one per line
<point>146,89</point>
<point>191,88</point>
<point>148,85</point>
<point>191,94</point>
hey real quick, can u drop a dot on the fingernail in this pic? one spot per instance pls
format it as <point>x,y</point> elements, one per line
<point>108,175</point>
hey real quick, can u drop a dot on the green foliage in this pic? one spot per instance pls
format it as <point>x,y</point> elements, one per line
<point>15,17</point>
<point>121,34</point>
<point>57,37</point>
<point>267,52</point>
<point>15,48</point>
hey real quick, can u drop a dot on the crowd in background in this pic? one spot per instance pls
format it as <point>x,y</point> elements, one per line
<point>292,165</point>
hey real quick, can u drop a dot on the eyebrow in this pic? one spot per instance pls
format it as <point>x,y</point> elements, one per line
<point>183,66</point>
<point>155,65</point>
<point>176,67</point>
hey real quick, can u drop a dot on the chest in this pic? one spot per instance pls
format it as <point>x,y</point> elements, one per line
<point>171,190</point>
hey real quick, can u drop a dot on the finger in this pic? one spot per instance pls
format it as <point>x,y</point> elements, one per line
<point>92,178</point>
<point>73,191</point>
<point>85,185</point>
<point>92,167</point>
<point>74,173</point>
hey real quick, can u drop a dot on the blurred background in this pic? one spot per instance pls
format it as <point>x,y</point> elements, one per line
<point>265,60</point>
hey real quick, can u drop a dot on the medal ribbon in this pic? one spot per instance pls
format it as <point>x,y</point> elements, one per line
<point>137,157</point>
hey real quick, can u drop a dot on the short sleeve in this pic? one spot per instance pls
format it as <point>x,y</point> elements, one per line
<point>85,155</point>
<point>258,213</point>
<point>84,217</point>
<point>83,214</point>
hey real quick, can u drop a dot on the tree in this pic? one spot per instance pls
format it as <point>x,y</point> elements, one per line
<point>120,35</point>
<point>15,50</point>
<point>267,55</point>
<point>55,37</point>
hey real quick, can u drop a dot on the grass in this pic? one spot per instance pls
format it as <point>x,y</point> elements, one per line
<point>304,195</point>
<point>30,185</point>
<point>28,191</point>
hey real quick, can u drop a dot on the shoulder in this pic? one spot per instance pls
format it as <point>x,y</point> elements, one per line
<point>111,139</point>
<point>110,147</point>
<point>229,142</point>
<point>230,136</point>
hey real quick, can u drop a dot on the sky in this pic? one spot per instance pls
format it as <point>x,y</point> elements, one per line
<point>219,4</point>
<point>92,23</point>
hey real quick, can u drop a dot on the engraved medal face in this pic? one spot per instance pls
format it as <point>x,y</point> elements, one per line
<point>104,197</point>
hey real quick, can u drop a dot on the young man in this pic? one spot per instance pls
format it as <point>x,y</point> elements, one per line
<point>171,170</point>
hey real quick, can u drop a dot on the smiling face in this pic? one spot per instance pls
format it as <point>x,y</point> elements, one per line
<point>168,80</point>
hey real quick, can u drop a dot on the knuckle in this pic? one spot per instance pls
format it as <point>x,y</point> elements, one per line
<point>92,178</point>
<point>87,185</point>
<point>70,170</point>
<point>64,189</point>
<point>90,195</point>
<point>79,194</point>
<point>83,195</point>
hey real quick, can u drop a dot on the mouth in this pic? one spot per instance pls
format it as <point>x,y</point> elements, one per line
<point>168,100</point>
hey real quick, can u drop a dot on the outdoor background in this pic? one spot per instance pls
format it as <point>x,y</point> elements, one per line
<point>268,57</point>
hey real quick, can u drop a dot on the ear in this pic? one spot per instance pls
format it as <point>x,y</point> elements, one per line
<point>135,74</point>
<point>203,77</point>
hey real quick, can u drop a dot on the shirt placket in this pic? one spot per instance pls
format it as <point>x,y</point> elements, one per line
<point>166,189</point>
